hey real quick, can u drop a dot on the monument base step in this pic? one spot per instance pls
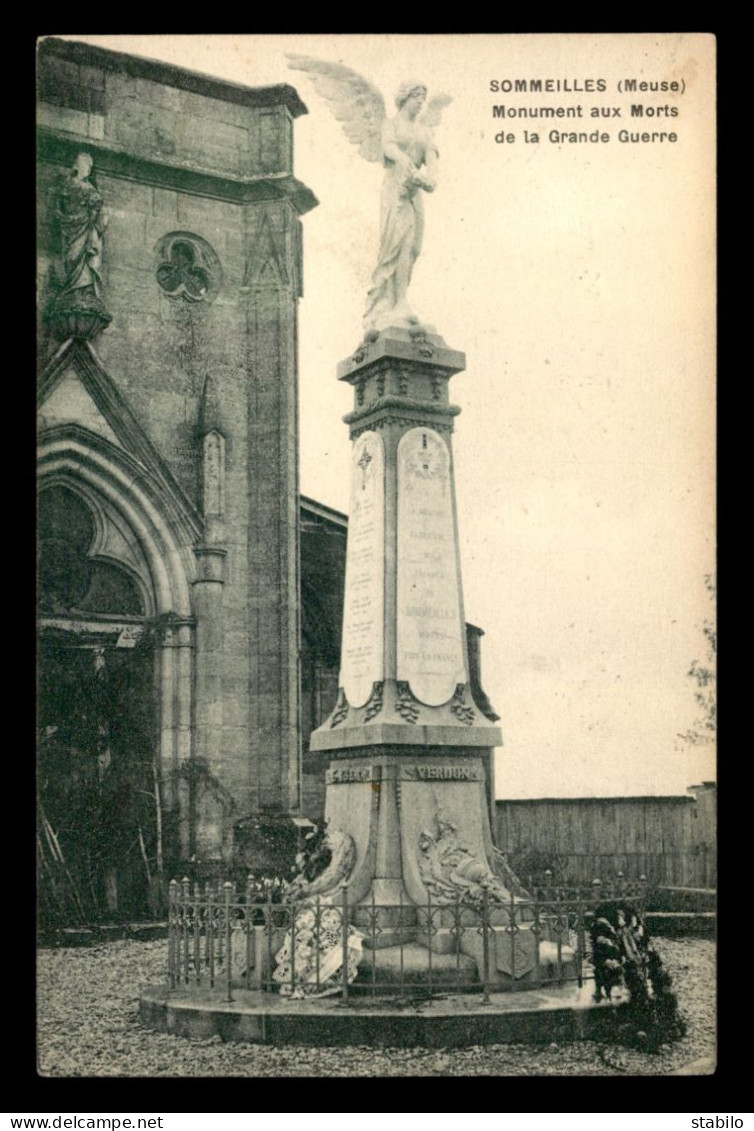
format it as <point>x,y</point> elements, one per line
<point>393,968</point>
<point>558,1013</point>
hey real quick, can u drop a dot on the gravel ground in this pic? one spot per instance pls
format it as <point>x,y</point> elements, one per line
<point>88,1026</point>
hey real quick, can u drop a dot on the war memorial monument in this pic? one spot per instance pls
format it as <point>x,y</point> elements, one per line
<point>408,900</point>
<point>402,909</point>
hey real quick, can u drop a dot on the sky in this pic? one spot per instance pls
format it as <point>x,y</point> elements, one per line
<point>578,278</point>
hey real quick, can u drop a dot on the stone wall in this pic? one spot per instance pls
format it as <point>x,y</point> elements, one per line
<point>201,272</point>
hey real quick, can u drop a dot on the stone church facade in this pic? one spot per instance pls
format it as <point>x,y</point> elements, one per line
<point>190,599</point>
<point>174,545</point>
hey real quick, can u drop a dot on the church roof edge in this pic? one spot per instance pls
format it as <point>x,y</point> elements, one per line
<point>321,510</point>
<point>170,75</point>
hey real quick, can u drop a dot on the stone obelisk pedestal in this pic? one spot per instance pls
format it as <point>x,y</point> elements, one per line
<point>409,746</point>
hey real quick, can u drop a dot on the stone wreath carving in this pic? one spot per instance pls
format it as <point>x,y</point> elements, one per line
<point>374,706</point>
<point>406,706</point>
<point>450,871</point>
<point>459,708</point>
<point>341,709</point>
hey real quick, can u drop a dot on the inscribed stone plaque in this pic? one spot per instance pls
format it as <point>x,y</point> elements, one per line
<point>362,662</point>
<point>347,775</point>
<point>430,624</point>
<point>440,773</point>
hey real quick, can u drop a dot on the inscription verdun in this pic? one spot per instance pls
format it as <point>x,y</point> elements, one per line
<point>362,662</point>
<point>345,775</point>
<point>430,653</point>
<point>440,773</point>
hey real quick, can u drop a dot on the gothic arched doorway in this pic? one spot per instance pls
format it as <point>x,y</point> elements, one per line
<point>101,820</point>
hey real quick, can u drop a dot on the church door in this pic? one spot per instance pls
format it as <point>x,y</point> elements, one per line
<point>100,827</point>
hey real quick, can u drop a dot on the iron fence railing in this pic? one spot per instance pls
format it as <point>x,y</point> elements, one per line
<point>223,939</point>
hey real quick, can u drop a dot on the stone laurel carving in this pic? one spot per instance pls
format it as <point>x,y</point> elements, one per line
<point>407,707</point>
<point>458,706</point>
<point>360,390</point>
<point>342,859</point>
<point>188,267</point>
<point>341,709</point>
<point>450,871</point>
<point>77,310</point>
<point>380,383</point>
<point>436,387</point>
<point>374,706</point>
<point>405,146</point>
<point>403,383</point>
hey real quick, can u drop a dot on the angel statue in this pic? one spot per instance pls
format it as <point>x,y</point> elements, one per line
<point>405,145</point>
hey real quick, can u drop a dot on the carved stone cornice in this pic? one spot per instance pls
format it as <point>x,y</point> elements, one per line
<point>427,353</point>
<point>402,404</point>
<point>112,160</point>
<point>167,74</point>
<point>405,421</point>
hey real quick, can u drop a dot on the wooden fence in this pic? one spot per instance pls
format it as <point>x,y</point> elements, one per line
<point>671,840</point>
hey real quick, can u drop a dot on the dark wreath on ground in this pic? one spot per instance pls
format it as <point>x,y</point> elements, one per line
<point>624,955</point>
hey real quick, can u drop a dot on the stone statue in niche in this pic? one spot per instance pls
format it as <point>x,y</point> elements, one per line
<point>405,145</point>
<point>82,222</point>
<point>77,310</point>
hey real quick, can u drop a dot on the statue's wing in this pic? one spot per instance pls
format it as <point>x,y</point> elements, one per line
<point>357,105</point>
<point>433,112</point>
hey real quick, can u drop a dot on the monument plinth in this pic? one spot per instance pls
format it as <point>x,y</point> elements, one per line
<point>404,677</point>
<point>410,781</point>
